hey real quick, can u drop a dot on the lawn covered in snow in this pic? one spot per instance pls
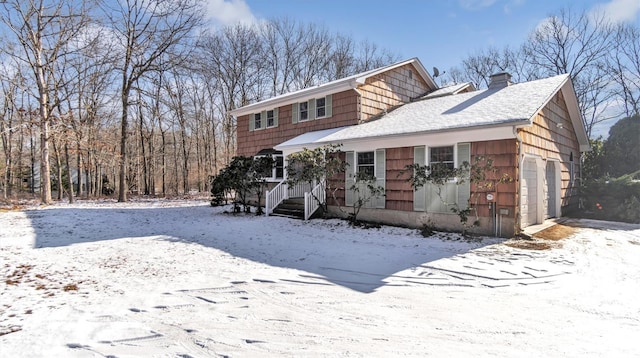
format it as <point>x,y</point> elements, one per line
<point>182,279</point>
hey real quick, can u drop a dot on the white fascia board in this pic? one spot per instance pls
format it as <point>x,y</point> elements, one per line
<point>435,138</point>
<point>576,118</point>
<point>295,97</point>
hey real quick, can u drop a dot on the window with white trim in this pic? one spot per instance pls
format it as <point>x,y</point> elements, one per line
<point>303,111</point>
<point>276,172</point>
<point>365,163</point>
<point>257,121</point>
<point>441,158</point>
<point>270,119</point>
<point>321,109</point>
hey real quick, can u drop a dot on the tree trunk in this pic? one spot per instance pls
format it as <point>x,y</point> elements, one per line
<point>58,169</point>
<point>79,171</point>
<point>122,186</point>
<point>45,167</point>
<point>164,165</point>
<point>70,177</point>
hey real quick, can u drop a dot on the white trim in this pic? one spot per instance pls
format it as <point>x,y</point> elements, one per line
<point>266,118</point>
<point>539,189</point>
<point>273,178</point>
<point>558,184</point>
<point>570,99</point>
<point>434,139</point>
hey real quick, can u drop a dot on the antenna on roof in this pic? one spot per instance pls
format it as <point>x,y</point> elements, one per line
<point>436,72</point>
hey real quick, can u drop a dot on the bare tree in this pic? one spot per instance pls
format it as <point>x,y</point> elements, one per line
<point>44,31</point>
<point>577,44</point>
<point>234,55</point>
<point>146,30</point>
<point>624,66</point>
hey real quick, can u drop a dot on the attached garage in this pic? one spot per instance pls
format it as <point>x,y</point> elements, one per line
<point>529,193</point>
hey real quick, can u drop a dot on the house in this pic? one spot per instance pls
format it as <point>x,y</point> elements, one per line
<point>394,116</point>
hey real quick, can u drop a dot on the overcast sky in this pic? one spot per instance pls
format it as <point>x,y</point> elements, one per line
<point>439,32</point>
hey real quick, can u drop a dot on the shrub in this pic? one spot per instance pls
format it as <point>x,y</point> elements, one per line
<point>614,200</point>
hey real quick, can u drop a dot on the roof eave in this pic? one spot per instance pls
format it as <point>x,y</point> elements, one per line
<point>300,96</point>
<point>516,122</point>
<point>570,97</point>
<point>416,63</point>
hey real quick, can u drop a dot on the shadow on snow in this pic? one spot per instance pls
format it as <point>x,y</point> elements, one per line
<point>328,251</point>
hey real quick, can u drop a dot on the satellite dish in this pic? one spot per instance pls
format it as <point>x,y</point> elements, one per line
<point>436,72</point>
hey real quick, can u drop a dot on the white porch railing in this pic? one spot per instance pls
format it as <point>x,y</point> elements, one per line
<point>275,196</point>
<point>298,190</point>
<point>311,204</point>
<point>282,191</point>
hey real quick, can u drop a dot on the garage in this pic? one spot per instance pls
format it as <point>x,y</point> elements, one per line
<point>529,192</point>
<point>551,190</point>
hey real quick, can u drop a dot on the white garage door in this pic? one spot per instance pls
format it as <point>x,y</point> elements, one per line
<point>551,190</point>
<point>529,193</point>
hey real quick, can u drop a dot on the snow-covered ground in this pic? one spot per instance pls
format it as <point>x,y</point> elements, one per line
<point>182,279</point>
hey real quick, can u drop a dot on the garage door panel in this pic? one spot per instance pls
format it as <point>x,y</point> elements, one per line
<point>551,189</point>
<point>529,193</point>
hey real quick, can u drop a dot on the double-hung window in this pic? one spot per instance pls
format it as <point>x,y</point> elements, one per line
<point>276,172</point>
<point>303,111</point>
<point>257,120</point>
<point>321,107</point>
<point>366,164</point>
<point>314,108</point>
<point>278,167</point>
<point>270,119</point>
<point>441,158</point>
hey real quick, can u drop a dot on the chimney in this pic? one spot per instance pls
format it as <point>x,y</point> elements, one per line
<point>500,80</point>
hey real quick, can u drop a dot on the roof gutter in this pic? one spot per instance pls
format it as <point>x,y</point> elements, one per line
<point>300,96</point>
<point>484,126</point>
<point>320,142</point>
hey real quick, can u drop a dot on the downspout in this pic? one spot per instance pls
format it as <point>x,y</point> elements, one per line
<point>517,215</point>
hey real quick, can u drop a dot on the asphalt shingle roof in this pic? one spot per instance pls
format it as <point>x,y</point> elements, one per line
<point>490,107</point>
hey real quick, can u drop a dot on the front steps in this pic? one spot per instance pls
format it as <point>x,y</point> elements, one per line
<point>290,208</point>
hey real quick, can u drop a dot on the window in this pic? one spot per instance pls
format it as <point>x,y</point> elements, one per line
<point>321,109</point>
<point>309,110</point>
<point>278,169</point>
<point>257,118</point>
<point>365,164</point>
<point>304,111</point>
<point>270,119</point>
<point>441,158</point>
<point>276,172</point>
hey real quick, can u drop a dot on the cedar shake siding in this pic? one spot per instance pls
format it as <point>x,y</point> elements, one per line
<point>504,154</point>
<point>399,193</point>
<point>337,182</point>
<point>552,136</point>
<point>389,89</point>
<point>344,113</point>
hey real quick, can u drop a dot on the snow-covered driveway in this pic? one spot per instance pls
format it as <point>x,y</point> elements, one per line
<point>182,279</point>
